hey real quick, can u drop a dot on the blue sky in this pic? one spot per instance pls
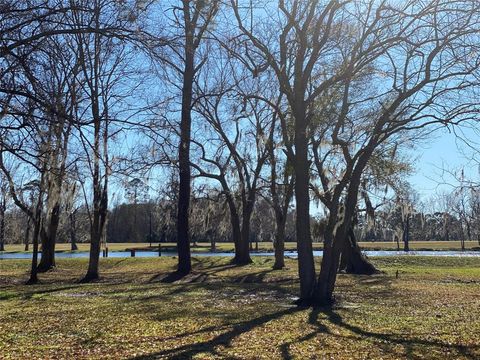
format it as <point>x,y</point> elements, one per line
<point>442,151</point>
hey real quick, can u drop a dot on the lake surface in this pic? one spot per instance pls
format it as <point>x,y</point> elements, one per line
<point>292,254</point>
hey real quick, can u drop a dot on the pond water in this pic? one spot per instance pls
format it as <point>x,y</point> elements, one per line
<point>292,254</point>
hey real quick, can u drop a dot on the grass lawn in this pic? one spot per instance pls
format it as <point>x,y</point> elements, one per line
<point>268,246</point>
<point>432,311</point>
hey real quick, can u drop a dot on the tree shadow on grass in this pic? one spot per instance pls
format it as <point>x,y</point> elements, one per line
<point>212,275</point>
<point>385,340</point>
<point>390,339</point>
<point>27,295</point>
<point>201,271</point>
<point>224,339</point>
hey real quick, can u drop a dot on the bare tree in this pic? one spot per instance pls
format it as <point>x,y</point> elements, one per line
<point>332,48</point>
<point>282,181</point>
<point>103,70</point>
<point>193,19</point>
<point>241,136</point>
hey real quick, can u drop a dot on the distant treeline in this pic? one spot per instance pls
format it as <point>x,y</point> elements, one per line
<point>210,222</point>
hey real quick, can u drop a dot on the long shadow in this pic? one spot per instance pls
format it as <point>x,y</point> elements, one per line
<point>202,270</point>
<point>225,339</point>
<point>172,277</point>
<point>321,328</point>
<point>208,274</point>
<point>115,264</point>
<point>406,342</point>
<point>27,295</point>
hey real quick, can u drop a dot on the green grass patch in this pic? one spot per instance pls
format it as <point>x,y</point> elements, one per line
<point>432,310</point>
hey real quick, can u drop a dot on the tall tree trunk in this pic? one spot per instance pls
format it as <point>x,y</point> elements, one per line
<point>183,228</point>
<point>306,266</point>
<point>100,197</point>
<point>279,242</point>
<point>353,261</point>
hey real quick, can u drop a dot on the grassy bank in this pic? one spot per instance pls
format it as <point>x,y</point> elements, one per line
<point>268,246</point>
<point>432,310</point>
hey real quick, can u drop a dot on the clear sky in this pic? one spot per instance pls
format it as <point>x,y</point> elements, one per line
<point>442,151</point>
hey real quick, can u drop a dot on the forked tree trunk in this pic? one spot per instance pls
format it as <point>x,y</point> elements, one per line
<point>328,272</point>
<point>240,232</point>
<point>353,261</point>
<point>36,231</point>
<point>336,234</point>
<point>48,237</point>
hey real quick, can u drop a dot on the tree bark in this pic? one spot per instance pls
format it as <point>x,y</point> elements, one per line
<point>27,234</point>
<point>100,201</point>
<point>36,231</point>
<point>96,232</point>
<point>183,230</point>
<point>306,266</point>
<point>73,232</point>
<point>2,225</point>
<point>352,260</point>
<point>406,235</point>
<point>336,234</point>
<point>48,237</point>
<point>279,243</point>
<point>235,222</point>
<point>242,253</point>
<point>328,271</point>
